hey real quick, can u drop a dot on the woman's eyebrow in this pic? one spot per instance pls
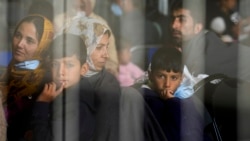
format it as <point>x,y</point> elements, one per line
<point>31,39</point>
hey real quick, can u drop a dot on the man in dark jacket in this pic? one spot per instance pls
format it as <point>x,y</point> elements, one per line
<point>204,51</point>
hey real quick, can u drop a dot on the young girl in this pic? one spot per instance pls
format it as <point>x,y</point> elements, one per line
<point>128,71</point>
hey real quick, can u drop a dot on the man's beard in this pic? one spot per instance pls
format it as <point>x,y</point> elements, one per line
<point>177,42</point>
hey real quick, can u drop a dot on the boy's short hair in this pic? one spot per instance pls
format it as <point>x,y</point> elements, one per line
<point>67,45</point>
<point>167,58</point>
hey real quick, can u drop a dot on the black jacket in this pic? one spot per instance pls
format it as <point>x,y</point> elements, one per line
<point>178,118</point>
<point>206,53</point>
<point>97,117</point>
<point>71,116</point>
<point>107,93</point>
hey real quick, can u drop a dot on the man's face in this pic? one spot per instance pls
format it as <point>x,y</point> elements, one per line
<point>182,26</point>
<point>165,81</point>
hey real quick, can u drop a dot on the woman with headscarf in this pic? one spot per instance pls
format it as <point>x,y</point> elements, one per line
<point>98,81</point>
<point>26,74</point>
<point>84,9</point>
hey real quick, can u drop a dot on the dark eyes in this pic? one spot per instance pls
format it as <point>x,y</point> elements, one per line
<point>160,76</point>
<point>99,47</point>
<point>54,64</point>
<point>69,65</point>
<point>180,18</point>
<point>174,77</point>
<point>18,35</point>
<point>29,40</point>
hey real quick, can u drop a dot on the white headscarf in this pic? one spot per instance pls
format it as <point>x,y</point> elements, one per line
<point>91,30</point>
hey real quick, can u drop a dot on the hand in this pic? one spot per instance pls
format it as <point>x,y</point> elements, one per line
<point>50,92</point>
<point>166,94</point>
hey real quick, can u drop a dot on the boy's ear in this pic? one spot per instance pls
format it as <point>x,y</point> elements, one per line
<point>84,69</point>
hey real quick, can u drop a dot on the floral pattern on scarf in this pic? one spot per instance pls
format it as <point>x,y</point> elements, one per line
<point>91,30</point>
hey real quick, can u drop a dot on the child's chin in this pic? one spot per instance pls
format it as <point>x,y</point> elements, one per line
<point>65,87</point>
<point>58,85</point>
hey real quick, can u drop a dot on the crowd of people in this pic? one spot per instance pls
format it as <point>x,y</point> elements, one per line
<point>71,76</point>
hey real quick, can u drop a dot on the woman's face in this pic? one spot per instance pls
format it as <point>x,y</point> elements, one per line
<point>25,42</point>
<point>100,54</point>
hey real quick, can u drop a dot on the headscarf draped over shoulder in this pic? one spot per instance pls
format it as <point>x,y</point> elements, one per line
<point>90,29</point>
<point>23,82</point>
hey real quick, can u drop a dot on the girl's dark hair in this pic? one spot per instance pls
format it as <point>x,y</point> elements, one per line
<point>67,45</point>
<point>38,22</point>
<point>167,58</point>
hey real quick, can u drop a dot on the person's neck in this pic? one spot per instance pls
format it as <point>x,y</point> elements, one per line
<point>150,85</point>
<point>92,73</point>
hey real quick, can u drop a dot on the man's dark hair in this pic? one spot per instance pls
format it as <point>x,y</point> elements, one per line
<point>67,45</point>
<point>167,58</point>
<point>196,8</point>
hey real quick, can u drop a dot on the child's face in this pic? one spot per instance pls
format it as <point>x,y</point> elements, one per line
<point>124,56</point>
<point>67,70</point>
<point>165,82</point>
